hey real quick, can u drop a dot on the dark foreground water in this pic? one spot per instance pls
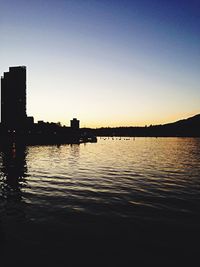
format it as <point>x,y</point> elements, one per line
<point>117,202</point>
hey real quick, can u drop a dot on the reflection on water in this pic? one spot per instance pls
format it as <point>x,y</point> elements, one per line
<point>13,169</point>
<point>13,180</point>
<point>145,178</point>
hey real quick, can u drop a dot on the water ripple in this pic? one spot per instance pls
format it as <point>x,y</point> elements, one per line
<point>147,177</point>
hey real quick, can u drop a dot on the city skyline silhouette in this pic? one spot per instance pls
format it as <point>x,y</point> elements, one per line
<point>15,121</point>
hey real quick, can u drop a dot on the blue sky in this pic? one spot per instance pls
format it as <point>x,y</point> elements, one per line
<point>109,63</point>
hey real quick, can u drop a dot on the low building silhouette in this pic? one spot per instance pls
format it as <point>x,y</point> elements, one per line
<point>75,124</point>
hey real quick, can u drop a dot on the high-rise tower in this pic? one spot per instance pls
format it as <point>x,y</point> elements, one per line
<point>13,98</point>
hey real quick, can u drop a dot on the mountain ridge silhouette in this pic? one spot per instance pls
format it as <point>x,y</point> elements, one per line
<point>189,127</point>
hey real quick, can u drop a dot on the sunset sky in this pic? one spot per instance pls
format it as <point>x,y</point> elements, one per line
<point>106,62</point>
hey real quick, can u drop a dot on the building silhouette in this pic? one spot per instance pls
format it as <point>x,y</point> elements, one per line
<point>13,98</point>
<point>75,124</point>
<point>18,128</point>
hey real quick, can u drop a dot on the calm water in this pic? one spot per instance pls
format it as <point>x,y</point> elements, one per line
<point>149,179</point>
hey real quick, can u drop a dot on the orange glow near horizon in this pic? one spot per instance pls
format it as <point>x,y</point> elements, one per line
<point>105,123</point>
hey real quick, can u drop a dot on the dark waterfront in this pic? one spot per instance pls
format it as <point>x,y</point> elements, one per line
<point>115,202</point>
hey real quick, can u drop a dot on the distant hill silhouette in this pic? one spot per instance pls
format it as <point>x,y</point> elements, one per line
<point>186,128</point>
<point>192,121</point>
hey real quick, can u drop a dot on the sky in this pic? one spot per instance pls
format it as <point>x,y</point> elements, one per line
<point>105,62</point>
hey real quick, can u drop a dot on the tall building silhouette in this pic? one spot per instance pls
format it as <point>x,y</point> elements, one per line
<point>13,98</point>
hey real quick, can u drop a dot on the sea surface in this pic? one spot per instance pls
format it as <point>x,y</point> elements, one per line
<point>143,181</point>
